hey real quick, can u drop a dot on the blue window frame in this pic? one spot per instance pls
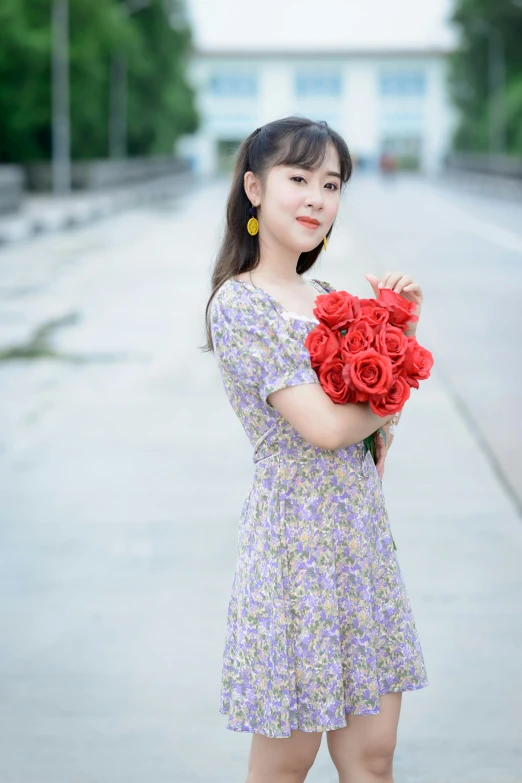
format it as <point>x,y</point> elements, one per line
<point>403,82</point>
<point>233,85</point>
<point>316,84</point>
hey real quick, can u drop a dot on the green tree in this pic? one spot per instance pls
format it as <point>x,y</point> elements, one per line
<point>469,71</point>
<point>25,89</point>
<point>161,102</point>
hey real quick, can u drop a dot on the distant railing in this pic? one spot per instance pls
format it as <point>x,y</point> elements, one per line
<point>495,165</point>
<point>11,188</point>
<point>105,174</point>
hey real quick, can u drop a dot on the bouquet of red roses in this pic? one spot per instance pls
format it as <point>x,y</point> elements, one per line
<point>361,353</point>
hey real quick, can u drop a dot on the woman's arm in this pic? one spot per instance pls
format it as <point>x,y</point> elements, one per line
<point>322,422</point>
<point>356,422</point>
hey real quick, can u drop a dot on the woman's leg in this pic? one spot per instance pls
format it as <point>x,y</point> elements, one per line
<point>284,759</point>
<point>363,750</point>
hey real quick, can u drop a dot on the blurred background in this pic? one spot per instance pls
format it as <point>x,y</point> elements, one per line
<point>122,466</point>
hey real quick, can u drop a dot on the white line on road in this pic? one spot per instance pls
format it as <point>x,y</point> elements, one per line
<point>498,236</point>
<point>501,237</point>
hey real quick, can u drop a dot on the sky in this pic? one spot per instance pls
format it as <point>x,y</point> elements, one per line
<point>320,24</point>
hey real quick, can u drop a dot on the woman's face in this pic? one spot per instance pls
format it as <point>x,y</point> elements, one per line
<point>292,193</point>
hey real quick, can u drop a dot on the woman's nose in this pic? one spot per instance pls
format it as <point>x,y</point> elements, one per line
<point>315,198</point>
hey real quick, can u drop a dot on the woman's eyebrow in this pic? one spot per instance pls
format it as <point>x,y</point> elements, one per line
<point>307,168</point>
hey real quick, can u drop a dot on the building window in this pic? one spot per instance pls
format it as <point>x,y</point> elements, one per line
<point>233,85</point>
<point>402,83</point>
<point>399,121</point>
<point>317,85</point>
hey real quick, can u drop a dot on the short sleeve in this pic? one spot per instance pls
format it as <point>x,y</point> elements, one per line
<point>255,345</point>
<point>324,284</point>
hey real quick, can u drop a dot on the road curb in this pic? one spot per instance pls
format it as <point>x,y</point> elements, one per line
<point>86,208</point>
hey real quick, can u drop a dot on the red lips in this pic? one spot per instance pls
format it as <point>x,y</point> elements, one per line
<point>308,221</point>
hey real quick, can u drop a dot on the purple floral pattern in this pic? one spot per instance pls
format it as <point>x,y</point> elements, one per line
<point>319,623</point>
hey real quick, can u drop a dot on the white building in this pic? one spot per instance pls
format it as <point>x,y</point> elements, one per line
<point>394,101</point>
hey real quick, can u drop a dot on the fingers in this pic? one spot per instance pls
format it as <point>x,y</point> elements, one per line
<point>380,452</point>
<point>402,283</point>
<point>384,280</point>
<point>380,466</point>
<point>413,288</point>
<point>380,448</point>
<point>396,281</point>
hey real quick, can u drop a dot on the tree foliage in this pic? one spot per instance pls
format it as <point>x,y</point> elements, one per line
<point>469,71</point>
<point>161,103</point>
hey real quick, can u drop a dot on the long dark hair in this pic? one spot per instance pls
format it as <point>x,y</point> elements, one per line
<point>291,141</point>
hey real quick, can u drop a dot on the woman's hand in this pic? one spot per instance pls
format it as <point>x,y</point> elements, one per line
<point>381,449</point>
<point>403,285</point>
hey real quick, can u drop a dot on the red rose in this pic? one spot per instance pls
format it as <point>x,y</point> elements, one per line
<point>394,400</point>
<point>322,344</point>
<point>356,396</point>
<point>337,309</point>
<point>373,313</point>
<point>398,307</point>
<point>358,338</point>
<point>392,343</point>
<point>418,362</point>
<point>369,372</point>
<point>361,353</point>
<point>330,376</point>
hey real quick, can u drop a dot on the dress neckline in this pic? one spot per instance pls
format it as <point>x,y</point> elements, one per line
<point>287,314</point>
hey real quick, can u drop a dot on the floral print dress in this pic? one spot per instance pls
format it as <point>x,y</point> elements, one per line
<point>319,623</point>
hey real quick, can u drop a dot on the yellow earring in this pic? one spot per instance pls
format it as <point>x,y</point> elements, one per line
<point>253,224</point>
<point>325,242</point>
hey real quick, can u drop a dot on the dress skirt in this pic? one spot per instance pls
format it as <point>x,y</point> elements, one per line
<point>319,623</point>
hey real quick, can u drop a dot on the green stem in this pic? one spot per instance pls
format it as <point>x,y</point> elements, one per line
<point>369,444</point>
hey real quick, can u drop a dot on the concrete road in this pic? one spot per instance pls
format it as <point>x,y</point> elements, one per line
<point>123,471</point>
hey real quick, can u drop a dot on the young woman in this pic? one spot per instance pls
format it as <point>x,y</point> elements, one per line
<point>320,633</point>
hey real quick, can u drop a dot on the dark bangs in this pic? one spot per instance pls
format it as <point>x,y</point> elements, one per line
<point>306,147</point>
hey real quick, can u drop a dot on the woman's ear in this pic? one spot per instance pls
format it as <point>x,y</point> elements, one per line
<point>251,186</point>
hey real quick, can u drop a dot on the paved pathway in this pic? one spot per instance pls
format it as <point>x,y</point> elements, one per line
<point>119,510</point>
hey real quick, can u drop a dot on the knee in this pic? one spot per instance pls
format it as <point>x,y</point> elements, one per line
<point>296,771</point>
<point>378,755</point>
<point>301,768</point>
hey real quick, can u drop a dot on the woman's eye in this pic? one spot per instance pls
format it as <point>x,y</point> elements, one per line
<point>335,187</point>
